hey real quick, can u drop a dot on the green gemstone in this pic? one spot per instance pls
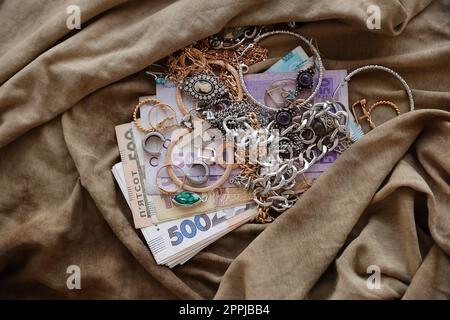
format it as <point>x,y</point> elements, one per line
<point>319,128</point>
<point>160,80</point>
<point>187,198</point>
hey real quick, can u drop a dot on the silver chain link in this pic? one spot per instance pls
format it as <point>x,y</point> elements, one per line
<point>276,177</point>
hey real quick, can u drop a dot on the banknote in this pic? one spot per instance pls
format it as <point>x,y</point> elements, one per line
<point>118,174</point>
<point>319,167</point>
<point>175,242</point>
<point>196,248</point>
<point>258,85</point>
<point>182,155</point>
<point>147,208</point>
<point>272,88</point>
<point>134,177</point>
<point>297,60</point>
<point>170,240</point>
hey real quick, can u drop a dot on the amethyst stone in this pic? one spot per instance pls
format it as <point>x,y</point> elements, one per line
<point>284,118</point>
<point>305,79</point>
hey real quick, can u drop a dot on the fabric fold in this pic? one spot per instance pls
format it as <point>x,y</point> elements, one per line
<point>385,202</point>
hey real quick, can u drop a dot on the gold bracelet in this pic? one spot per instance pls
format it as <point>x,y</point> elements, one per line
<point>179,182</point>
<point>162,124</point>
<point>164,191</point>
<point>384,103</point>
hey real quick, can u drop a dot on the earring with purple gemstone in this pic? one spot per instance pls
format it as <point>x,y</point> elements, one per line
<point>305,79</point>
<point>283,118</point>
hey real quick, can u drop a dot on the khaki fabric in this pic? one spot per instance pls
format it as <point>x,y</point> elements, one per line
<point>385,202</point>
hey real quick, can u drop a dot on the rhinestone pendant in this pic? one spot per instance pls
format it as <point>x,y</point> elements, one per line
<point>203,87</point>
<point>188,199</point>
<point>209,115</point>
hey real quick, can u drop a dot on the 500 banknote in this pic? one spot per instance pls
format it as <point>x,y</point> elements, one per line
<point>148,209</point>
<point>176,241</point>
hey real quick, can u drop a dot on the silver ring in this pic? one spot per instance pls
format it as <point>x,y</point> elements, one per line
<point>147,148</point>
<point>203,179</point>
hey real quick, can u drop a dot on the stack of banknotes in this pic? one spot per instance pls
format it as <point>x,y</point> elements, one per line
<point>175,234</point>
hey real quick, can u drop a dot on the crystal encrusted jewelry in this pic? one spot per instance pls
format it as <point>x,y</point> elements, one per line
<point>203,87</point>
<point>237,88</point>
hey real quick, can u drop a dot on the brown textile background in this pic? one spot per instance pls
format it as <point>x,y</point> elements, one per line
<point>385,202</point>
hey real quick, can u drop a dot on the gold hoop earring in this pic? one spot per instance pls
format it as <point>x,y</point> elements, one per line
<point>136,120</point>
<point>162,124</point>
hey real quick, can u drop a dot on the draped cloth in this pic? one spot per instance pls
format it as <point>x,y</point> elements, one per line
<point>384,205</point>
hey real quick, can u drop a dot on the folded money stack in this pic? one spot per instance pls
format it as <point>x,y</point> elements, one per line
<point>174,233</point>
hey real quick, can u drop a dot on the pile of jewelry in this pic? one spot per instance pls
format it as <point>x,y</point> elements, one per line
<point>268,134</point>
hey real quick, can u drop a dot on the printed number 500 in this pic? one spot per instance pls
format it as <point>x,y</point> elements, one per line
<point>188,228</point>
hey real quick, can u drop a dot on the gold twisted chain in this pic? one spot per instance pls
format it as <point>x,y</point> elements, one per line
<point>195,58</point>
<point>249,170</point>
